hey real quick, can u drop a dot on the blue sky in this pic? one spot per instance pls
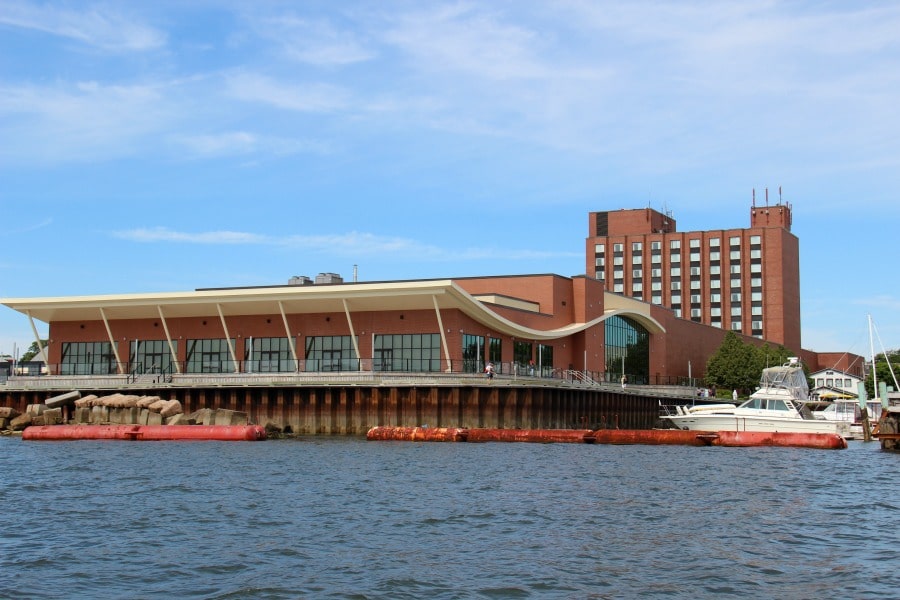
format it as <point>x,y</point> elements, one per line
<point>168,145</point>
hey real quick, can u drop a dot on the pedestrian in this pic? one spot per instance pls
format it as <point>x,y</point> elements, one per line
<point>734,395</point>
<point>624,382</point>
<point>531,367</point>
<point>489,370</point>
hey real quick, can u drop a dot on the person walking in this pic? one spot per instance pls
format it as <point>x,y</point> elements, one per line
<point>624,381</point>
<point>489,370</point>
<point>734,395</point>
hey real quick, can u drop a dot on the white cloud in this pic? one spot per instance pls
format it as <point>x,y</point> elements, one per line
<point>99,26</point>
<point>351,244</point>
<point>314,41</point>
<point>313,97</point>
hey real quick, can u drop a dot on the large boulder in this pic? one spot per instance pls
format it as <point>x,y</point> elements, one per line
<point>172,408</point>
<point>21,422</point>
<point>8,412</point>
<point>63,399</point>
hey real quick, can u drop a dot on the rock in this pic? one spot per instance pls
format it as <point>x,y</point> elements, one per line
<point>52,416</point>
<point>21,422</point>
<point>158,405</point>
<point>172,408</point>
<point>146,401</point>
<point>35,409</point>
<point>130,401</point>
<point>230,417</point>
<point>82,415</point>
<point>63,399</point>
<point>85,401</point>
<point>154,418</point>
<point>8,412</point>
<point>204,416</point>
<point>180,419</point>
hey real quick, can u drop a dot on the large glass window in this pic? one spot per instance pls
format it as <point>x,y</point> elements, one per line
<point>87,358</point>
<point>495,347</point>
<point>545,360</point>
<point>627,349</point>
<point>522,354</point>
<point>209,356</point>
<point>268,355</point>
<point>151,356</point>
<point>408,352</point>
<point>331,353</point>
<point>473,353</point>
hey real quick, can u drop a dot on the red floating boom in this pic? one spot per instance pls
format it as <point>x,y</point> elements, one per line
<point>417,434</point>
<point>547,436</point>
<point>226,433</point>
<point>650,437</point>
<point>824,441</point>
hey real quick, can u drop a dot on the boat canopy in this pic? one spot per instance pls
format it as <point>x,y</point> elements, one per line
<point>789,377</point>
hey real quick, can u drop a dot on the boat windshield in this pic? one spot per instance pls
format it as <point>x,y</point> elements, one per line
<point>790,378</point>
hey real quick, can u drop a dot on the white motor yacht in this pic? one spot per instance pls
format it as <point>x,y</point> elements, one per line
<point>778,405</point>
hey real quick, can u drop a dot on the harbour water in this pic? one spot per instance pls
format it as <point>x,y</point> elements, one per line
<point>346,518</point>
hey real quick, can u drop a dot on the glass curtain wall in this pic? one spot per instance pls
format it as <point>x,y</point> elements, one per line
<point>331,353</point>
<point>87,358</point>
<point>407,352</point>
<point>268,355</point>
<point>209,356</point>
<point>151,356</point>
<point>522,355</point>
<point>627,350</point>
<point>473,353</point>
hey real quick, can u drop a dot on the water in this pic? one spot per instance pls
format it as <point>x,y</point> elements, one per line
<point>346,518</point>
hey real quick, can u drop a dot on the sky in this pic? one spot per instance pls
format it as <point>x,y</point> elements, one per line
<point>167,146</point>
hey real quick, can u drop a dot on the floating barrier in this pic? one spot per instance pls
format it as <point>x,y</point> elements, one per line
<point>824,441</point>
<point>546,436</point>
<point>612,436</point>
<point>671,437</point>
<point>225,433</point>
<point>418,434</point>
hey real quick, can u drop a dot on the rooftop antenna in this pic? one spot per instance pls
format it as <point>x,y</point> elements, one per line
<point>754,197</point>
<point>355,273</point>
<point>779,194</point>
<point>767,196</point>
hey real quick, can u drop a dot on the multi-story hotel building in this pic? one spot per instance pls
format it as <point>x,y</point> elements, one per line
<point>741,280</point>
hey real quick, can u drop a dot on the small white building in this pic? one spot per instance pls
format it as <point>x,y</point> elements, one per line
<point>832,384</point>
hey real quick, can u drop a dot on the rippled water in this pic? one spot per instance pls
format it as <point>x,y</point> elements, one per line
<point>346,518</point>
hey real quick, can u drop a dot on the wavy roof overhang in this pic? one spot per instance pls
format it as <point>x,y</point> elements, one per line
<point>442,294</point>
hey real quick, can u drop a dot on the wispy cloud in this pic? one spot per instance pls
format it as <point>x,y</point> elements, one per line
<point>100,26</point>
<point>244,143</point>
<point>314,41</point>
<point>85,120</point>
<point>303,97</point>
<point>351,244</point>
<point>28,228</point>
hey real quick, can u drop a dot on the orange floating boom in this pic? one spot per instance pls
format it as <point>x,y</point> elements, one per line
<point>417,434</point>
<point>824,441</point>
<point>577,436</point>
<point>675,437</point>
<point>235,433</point>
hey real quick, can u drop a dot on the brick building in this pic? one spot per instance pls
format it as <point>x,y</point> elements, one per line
<point>741,280</point>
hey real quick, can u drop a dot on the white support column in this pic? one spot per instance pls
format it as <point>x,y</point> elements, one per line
<point>237,365</point>
<point>437,311</point>
<point>37,340</point>
<point>112,341</point>
<point>352,333</point>
<point>169,339</point>
<point>287,332</point>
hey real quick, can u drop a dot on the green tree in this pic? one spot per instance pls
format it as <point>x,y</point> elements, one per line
<point>738,364</point>
<point>33,350</point>
<point>883,370</point>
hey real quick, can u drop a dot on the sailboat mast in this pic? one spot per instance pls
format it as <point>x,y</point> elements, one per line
<point>872,351</point>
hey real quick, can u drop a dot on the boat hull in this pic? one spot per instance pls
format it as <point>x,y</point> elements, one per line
<point>723,422</point>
